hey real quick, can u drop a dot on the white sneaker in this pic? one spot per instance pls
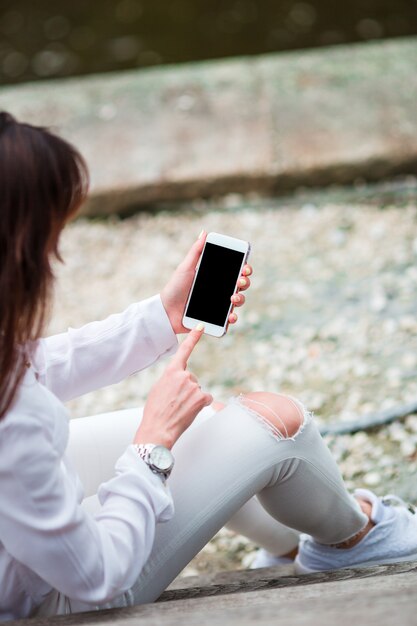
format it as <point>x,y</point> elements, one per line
<point>264,558</point>
<point>392,539</point>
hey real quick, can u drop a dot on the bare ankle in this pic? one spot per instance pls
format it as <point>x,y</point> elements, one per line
<point>291,555</point>
<point>366,507</point>
<point>353,541</point>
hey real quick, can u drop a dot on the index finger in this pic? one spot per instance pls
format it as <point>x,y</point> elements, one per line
<point>187,346</point>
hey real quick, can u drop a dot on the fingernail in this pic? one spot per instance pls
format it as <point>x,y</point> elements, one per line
<point>242,282</point>
<point>199,326</point>
<point>247,271</point>
<point>201,234</point>
<point>236,298</point>
<point>233,316</point>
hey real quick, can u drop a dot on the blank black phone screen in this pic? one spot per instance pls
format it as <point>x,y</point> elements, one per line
<point>216,281</point>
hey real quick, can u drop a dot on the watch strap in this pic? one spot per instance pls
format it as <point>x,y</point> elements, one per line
<point>144,450</point>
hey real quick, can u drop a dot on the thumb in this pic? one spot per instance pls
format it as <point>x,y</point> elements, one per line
<point>187,346</point>
<point>191,259</point>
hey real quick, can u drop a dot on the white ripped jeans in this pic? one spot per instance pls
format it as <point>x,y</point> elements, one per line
<point>230,470</point>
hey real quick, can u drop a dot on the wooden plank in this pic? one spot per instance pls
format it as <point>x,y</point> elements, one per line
<point>225,577</point>
<point>387,600</point>
<point>253,581</point>
<point>388,597</point>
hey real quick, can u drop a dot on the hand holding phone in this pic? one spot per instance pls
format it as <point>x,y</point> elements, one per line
<point>215,281</point>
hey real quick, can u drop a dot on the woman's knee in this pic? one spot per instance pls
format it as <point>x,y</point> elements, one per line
<point>284,413</point>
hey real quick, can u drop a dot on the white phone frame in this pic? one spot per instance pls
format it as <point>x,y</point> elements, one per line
<point>226,242</point>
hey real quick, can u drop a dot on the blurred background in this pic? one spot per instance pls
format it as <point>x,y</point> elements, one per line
<point>46,39</point>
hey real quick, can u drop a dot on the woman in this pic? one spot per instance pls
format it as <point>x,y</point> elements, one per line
<point>90,517</point>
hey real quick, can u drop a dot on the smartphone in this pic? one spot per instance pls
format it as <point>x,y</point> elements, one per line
<point>215,281</point>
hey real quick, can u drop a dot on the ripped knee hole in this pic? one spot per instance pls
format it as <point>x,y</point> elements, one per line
<point>284,415</point>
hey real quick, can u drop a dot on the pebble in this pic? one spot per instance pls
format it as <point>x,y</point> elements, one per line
<point>408,448</point>
<point>411,423</point>
<point>372,479</point>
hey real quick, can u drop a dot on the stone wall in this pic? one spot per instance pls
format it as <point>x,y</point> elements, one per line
<point>267,123</point>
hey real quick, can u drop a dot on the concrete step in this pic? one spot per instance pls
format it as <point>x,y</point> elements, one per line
<point>374,596</point>
<point>267,123</point>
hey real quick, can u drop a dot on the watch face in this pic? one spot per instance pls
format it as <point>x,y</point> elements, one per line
<point>161,458</point>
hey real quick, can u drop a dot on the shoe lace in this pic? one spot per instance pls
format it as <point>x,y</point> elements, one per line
<point>393,500</point>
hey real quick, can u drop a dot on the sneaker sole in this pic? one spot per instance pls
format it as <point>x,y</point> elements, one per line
<point>302,569</point>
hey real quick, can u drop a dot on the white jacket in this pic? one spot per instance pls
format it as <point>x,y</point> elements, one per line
<point>47,540</point>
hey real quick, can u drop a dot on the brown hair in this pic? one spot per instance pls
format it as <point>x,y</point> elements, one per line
<point>43,181</point>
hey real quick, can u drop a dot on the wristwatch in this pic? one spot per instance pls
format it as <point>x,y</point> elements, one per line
<point>158,457</point>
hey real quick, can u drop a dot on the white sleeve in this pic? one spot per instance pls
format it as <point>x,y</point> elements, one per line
<point>91,559</point>
<point>103,353</point>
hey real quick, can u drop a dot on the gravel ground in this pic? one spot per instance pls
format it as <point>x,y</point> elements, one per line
<point>330,317</point>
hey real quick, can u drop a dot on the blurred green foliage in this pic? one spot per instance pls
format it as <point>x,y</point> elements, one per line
<point>45,38</point>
